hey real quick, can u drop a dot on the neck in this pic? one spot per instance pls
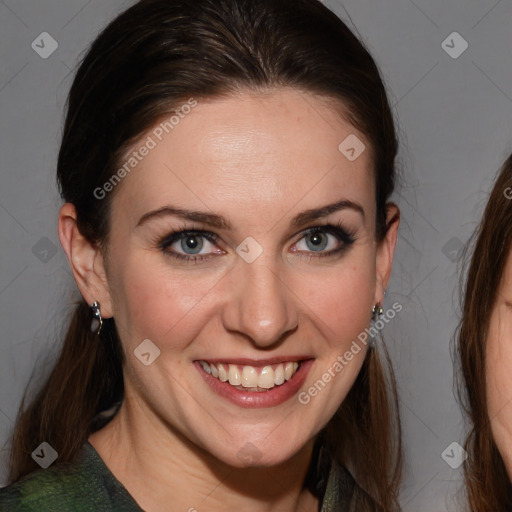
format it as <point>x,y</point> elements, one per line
<point>161,468</point>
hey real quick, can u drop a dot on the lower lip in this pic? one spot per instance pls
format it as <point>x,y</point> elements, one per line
<point>275,396</point>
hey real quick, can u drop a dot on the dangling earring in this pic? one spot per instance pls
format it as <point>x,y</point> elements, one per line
<point>97,321</point>
<point>377,311</point>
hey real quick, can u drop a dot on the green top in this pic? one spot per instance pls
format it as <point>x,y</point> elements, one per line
<point>89,486</point>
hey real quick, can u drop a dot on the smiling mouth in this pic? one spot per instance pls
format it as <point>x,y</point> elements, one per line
<point>250,378</point>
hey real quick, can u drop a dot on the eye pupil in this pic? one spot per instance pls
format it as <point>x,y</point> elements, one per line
<point>191,244</point>
<point>318,241</point>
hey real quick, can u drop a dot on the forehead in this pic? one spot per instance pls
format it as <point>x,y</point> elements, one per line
<point>265,150</point>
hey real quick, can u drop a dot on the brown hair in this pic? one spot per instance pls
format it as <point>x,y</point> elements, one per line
<point>151,58</point>
<point>487,485</point>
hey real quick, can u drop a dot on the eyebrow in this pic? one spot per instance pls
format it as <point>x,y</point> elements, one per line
<point>219,222</point>
<point>324,211</point>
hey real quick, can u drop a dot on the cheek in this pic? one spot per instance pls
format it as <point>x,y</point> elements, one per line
<point>156,303</point>
<point>340,308</point>
<point>341,298</point>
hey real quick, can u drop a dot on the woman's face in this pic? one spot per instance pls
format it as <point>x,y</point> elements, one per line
<point>498,365</point>
<point>279,266</point>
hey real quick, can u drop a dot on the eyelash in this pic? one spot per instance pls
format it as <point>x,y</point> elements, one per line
<point>346,238</point>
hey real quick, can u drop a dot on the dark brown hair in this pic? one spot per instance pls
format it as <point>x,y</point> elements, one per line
<point>148,61</point>
<point>487,485</point>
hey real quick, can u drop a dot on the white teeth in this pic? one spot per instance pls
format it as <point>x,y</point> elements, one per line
<point>279,375</point>
<point>234,375</point>
<point>206,367</point>
<point>288,371</point>
<point>266,378</point>
<point>223,374</point>
<point>251,378</point>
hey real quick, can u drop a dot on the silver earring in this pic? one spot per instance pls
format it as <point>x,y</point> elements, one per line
<point>97,321</point>
<point>377,311</point>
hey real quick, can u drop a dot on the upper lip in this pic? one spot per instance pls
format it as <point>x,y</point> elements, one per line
<point>256,362</point>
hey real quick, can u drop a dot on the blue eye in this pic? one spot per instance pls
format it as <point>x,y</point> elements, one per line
<point>325,241</point>
<point>190,245</point>
<point>317,241</point>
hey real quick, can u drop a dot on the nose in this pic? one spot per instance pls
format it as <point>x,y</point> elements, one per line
<point>260,305</point>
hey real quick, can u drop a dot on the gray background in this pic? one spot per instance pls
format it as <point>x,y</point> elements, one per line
<point>454,117</point>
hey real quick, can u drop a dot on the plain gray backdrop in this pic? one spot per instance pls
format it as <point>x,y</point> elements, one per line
<point>453,107</point>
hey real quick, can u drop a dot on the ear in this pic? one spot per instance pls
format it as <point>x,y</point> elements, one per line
<point>86,261</point>
<point>386,250</point>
